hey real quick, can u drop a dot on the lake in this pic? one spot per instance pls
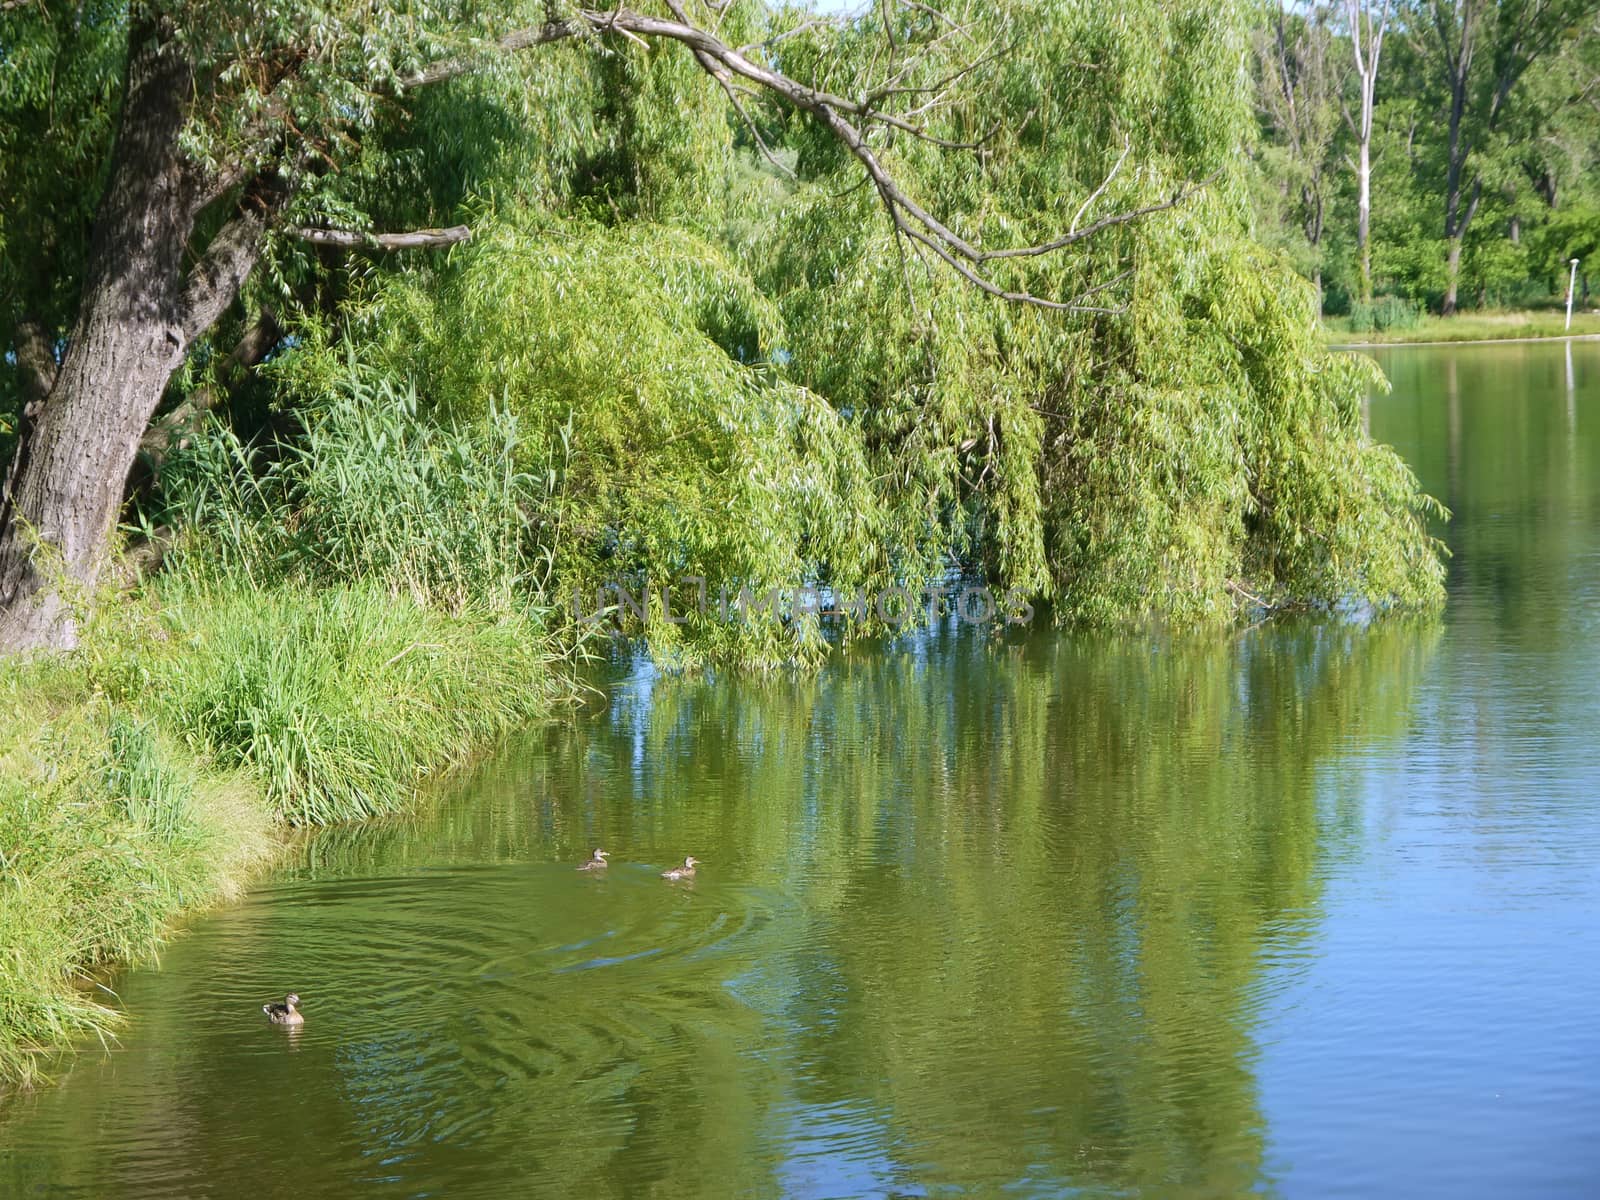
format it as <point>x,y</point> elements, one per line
<point>1309,909</point>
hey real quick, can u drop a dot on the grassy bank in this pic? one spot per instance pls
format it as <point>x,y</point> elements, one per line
<point>1467,327</point>
<point>145,776</point>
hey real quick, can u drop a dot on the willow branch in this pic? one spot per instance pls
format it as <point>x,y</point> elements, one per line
<point>1127,145</point>
<point>1103,223</point>
<point>845,118</point>
<point>725,82</point>
<point>215,280</point>
<point>519,39</point>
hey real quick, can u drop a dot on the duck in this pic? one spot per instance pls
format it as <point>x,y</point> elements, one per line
<point>684,872</point>
<point>287,1013</point>
<point>597,860</point>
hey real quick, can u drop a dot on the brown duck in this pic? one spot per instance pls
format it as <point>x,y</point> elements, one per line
<point>684,872</point>
<point>287,1013</point>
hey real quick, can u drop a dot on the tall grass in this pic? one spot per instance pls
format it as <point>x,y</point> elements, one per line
<point>336,701</point>
<point>107,830</point>
<point>368,493</point>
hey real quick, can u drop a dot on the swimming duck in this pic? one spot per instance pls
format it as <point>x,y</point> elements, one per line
<point>684,872</point>
<point>287,1013</point>
<point>597,860</point>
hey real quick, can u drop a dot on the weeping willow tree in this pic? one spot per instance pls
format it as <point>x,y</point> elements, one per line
<point>757,297</point>
<point>1176,442</point>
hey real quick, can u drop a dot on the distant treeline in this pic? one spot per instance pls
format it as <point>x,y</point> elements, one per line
<point>1441,152</point>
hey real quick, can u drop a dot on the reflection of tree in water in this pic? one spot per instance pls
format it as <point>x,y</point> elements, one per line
<point>1038,884</point>
<point>974,913</point>
<point>1047,951</point>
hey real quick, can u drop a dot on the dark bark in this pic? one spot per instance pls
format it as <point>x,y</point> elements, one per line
<point>1458,69</point>
<point>170,431</point>
<point>1513,46</point>
<point>138,314</point>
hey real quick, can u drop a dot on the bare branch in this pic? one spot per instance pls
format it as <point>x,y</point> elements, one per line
<point>750,124</point>
<point>803,27</point>
<point>1101,287</point>
<point>520,39</point>
<point>416,239</point>
<point>886,91</point>
<point>929,10</point>
<point>725,81</point>
<point>1115,219</point>
<point>1127,145</point>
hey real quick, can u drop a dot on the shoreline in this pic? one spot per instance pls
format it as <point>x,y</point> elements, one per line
<point>127,808</point>
<point>1555,337</point>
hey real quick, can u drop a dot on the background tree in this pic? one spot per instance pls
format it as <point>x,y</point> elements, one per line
<point>1480,50</point>
<point>1366,32</point>
<point>1301,81</point>
<point>1489,103</point>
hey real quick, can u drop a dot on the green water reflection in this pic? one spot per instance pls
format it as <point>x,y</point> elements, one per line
<point>975,913</point>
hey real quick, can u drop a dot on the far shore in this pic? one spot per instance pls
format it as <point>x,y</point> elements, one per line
<point>1488,341</point>
<point>1466,329</point>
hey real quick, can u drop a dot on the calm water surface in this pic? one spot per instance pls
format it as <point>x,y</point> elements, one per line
<point>1306,911</point>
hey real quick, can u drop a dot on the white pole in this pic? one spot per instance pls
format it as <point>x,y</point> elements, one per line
<point>1572,283</point>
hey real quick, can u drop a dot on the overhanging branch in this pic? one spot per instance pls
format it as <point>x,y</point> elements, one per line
<point>519,39</point>
<point>849,120</point>
<point>416,239</point>
<point>227,262</point>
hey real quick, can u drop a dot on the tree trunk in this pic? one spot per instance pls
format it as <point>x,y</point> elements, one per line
<point>1364,216</point>
<point>135,321</point>
<point>1452,265</point>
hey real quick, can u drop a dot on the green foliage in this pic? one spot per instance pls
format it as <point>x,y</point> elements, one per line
<point>335,702</point>
<point>1384,313</point>
<point>1570,233</point>
<point>437,512</point>
<point>60,81</point>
